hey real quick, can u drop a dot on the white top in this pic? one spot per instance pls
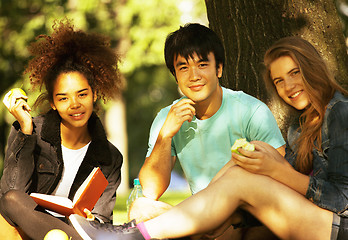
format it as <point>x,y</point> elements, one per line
<point>72,159</point>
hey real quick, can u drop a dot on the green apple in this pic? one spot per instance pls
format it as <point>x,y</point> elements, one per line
<point>13,95</point>
<point>56,234</point>
<point>242,143</point>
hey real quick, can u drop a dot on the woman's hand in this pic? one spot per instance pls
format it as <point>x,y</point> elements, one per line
<point>264,160</point>
<point>20,109</point>
<point>90,216</point>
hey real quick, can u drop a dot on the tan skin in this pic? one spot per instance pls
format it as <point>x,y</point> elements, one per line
<point>198,80</point>
<point>250,174</point>
<point>73,98</point>
<point>20,109</point>
<point>288,81</point>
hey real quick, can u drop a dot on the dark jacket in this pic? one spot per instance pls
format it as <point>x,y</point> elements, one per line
<point>34,163</point>
<point>328,184</point>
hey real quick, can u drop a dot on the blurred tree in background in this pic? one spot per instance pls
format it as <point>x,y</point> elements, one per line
<point>248,28</point>
<point>150,85</point>
<point>137,30</point>
<point>21,21</point>
<point>342,9</point>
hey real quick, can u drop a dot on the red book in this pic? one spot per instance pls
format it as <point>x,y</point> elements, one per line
<point>86,196</point>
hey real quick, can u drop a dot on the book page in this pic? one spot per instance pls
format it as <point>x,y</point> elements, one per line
<point>59,200</point>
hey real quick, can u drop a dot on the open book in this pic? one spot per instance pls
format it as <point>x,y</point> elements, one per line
<point>86,196</point>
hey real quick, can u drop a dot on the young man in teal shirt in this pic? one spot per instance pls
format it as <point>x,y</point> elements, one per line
<point>200,128</point>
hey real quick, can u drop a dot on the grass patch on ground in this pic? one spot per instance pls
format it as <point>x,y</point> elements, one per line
<point>120,210</point>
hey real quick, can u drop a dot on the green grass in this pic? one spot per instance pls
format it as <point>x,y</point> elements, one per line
<point>120,210</point>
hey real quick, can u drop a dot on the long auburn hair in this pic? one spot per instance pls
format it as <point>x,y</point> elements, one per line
<point>318,83</point>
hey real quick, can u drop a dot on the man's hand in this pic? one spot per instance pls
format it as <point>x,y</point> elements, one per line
<point>179,113</point>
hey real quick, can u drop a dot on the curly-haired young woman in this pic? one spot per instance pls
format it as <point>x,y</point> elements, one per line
<point>54,153</point>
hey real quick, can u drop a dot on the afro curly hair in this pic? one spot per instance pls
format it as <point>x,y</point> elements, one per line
<point>68,50</point>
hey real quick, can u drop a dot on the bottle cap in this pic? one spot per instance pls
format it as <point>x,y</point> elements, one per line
<point>136,181</point>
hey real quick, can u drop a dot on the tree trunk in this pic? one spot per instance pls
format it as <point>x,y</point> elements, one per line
<point>248,27</point>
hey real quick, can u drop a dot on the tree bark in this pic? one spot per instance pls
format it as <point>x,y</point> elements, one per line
<point>248,27</point>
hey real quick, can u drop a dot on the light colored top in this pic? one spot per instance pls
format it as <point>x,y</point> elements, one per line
<point>203,147</point>
<point>72,159</point>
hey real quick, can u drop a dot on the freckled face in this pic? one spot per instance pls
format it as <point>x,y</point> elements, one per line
<point>73,98</point>
<point>287,78</point>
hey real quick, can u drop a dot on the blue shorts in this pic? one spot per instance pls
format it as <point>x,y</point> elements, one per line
<point>339,225</point>
<point>339,228</point>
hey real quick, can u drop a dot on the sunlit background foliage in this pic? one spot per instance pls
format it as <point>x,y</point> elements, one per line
<point>137,30</point>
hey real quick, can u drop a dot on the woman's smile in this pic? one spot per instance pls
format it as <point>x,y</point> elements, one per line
<point>288,81</point>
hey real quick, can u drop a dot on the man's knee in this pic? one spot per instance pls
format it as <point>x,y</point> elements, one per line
<point>237,173</point>
<point>143,209</point>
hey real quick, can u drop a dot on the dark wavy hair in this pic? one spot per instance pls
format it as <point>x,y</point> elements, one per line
<point>69,50</point>
<point>318,83</point>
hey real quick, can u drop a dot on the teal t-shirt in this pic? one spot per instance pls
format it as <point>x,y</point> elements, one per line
<point>203,146</point>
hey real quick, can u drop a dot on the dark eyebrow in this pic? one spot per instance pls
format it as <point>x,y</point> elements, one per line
<point>82,90</point>
<point>199,61</point>
<point>203,60</point>
<point>178,64</point>
<point>294,69</point>
<point>79,91</point>
<point>291,70</point>
<point>60,94</point>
